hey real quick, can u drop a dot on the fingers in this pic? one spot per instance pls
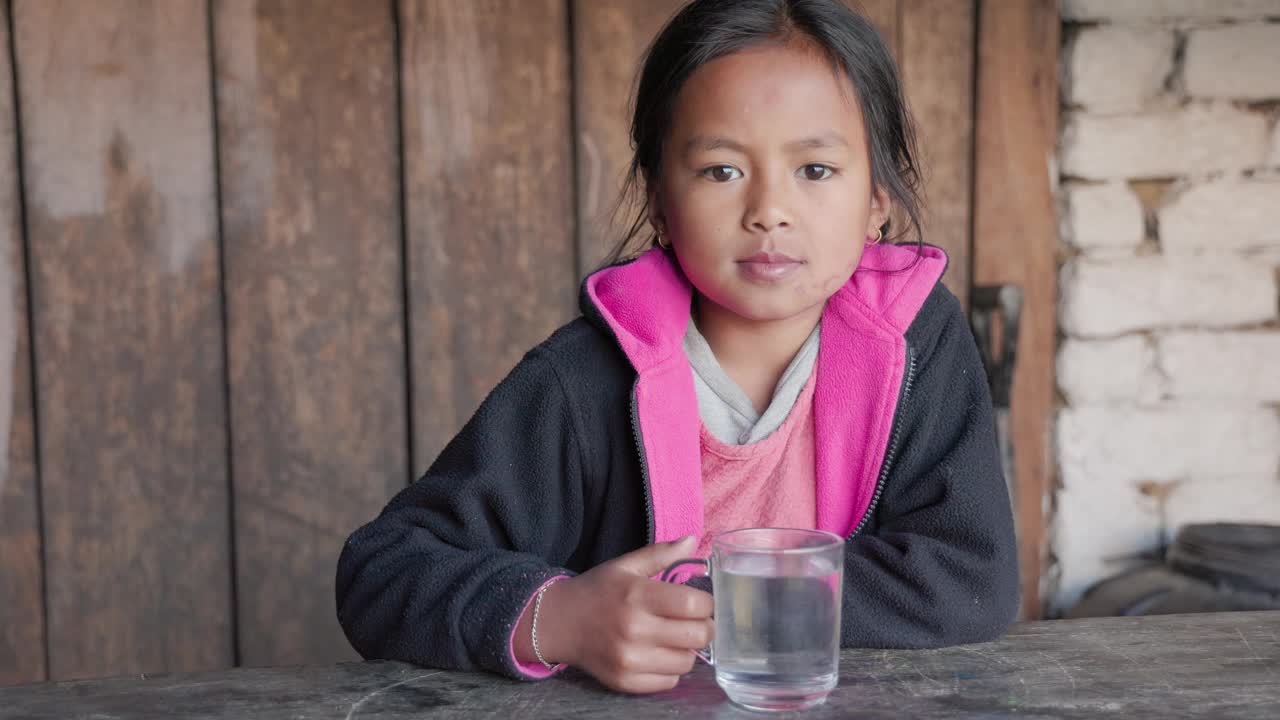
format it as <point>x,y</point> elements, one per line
<point>682,634</point>
<point>653,559</point>
<point>642,630</point>
<point>648,669</point>
<point>642,684</point>
<point>676,602</point>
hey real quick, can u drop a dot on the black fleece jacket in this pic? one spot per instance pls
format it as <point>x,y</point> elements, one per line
<point>546,479</point>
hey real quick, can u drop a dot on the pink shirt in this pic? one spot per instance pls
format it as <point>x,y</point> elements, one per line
<point>769,483</point>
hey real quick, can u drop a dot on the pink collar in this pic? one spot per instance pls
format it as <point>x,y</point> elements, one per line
<point>861,365</point>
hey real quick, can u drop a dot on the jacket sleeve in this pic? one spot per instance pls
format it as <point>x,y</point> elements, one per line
<point>940,566</point>
<point>441,576</point>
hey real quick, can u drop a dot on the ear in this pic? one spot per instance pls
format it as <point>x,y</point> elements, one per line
<point>881,207</point>
<point>656,219</point>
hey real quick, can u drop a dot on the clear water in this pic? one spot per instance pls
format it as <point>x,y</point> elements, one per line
<point>777,629</point>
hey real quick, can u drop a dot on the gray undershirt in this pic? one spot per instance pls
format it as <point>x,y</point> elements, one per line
<point>725,409</point>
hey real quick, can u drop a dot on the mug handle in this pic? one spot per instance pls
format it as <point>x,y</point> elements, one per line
<point>673,575</point>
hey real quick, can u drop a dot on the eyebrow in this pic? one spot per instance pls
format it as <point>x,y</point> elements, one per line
<point>825,140</point>
<point>707,143</point>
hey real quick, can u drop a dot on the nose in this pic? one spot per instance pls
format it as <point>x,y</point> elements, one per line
<point>767,206</point>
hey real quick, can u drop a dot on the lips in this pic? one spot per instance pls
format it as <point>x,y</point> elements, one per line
<point>769,258</point>
<point>768,266</point>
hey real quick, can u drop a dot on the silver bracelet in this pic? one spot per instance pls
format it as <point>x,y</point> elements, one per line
<point>537,608</point>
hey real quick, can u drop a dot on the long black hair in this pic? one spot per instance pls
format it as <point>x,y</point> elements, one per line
<point>708,29</point>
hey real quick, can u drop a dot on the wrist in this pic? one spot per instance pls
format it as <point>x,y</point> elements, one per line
<point>555,635</point>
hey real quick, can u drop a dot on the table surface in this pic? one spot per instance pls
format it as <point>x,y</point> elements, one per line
<point>1218,665</point>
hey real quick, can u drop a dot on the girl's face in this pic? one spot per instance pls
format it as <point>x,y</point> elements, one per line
<point>765,190</point>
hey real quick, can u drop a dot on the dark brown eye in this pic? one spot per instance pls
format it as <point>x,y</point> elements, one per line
<point>722,173</point>
<point>817,172</point>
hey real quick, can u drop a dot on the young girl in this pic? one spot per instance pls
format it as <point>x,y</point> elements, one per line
<point>767,362</point>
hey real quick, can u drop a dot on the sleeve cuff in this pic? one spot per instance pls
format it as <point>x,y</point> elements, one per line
<point>534,670</point>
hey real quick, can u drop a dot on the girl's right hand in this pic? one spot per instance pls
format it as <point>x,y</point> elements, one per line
<point>632,633</point>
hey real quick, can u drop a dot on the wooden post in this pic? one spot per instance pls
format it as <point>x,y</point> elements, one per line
<point>1015,239</point>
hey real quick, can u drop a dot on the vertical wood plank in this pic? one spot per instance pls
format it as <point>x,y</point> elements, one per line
<point>937,59</point>
<point>1015,237</point>
<point>22,649</point>
<point>610,38</point>
<point>489,182</point>
<point>884,15</point>
<point>126,320</point>
<point>308,145</point>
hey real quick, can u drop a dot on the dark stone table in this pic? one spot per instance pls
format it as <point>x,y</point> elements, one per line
<point>1220,665</point>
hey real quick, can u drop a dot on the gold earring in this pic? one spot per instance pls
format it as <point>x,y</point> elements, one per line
<point>879,237</point>
<point>661,244</point>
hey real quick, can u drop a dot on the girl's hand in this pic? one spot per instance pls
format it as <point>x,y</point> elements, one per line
<point>631,633</point>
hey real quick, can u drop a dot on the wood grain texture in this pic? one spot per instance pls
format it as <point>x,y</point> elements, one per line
<point>884,15</point>
<point>937,65</point>
<point>489,187</point>
<point>1176,667</point>
<point>1016,235</point>
<point>22,650</point>
<point>309,157</point>
<point>126,321</point>
<point>933,44</point>
<point>610,38</point>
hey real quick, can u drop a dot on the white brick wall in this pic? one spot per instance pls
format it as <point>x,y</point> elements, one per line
<point>1198,139</point>
<point>1116,68</point>
<point>1124,523</point>
<point>1215,368</point>
<point>1102,298</point>
<point>1111,445</point>
<point>1119,371</point>
<point>1231,213</point>
<point>1121,520</point>
<point>1243,498</point>
<point>1169,370</point>
<point>1238,61</point>
<point>1275,145</point>
<point>1165,10</point>
<point>1106,217</point>
<point>1222,367</point>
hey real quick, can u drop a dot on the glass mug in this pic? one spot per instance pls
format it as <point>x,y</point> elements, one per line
<point>777,614</point>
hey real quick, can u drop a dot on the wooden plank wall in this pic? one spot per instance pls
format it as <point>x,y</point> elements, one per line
<point>120,197</point>
<point>932,41</point>
<point>22,621</point>
<point>308,140</point>
<point>609,41</point>
<point>1014,221</point>
<point>277,251</point>
<point>489,168</point>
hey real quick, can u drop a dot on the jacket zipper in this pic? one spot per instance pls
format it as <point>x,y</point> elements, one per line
<point>644,463</point>
<point>895,438</point>
<point>635,422</point>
